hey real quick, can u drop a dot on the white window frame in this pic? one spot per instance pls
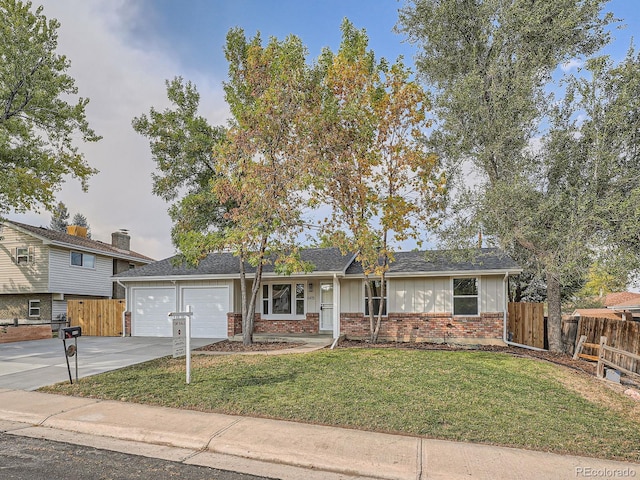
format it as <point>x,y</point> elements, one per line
<point>454,296</point>
<point>266,302</point>
<point>82,260</point>
<point>33,308</point>
<point>24,255</point>
<point>366,299</point>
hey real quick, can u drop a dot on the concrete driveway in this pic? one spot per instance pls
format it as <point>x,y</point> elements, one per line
<point>34,364</point>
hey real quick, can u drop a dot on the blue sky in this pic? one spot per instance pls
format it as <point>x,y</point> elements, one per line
<point>122,51</point>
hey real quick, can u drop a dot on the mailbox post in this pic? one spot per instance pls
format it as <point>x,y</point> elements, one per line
<point>72,350</point>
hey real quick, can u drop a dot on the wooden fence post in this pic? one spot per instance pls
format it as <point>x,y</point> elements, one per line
<point>578,349</point>
<point>600,367</point>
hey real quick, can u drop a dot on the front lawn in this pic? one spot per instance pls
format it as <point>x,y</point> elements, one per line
<point>456,395</point>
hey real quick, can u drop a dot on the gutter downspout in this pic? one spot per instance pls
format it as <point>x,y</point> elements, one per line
<point>505,312</point>
<point>336,312</point>
<point>126,304</point>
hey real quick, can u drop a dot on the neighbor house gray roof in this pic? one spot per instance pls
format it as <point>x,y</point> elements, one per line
<point>72,241</point>
<point>330,261</point>
<point>443,261</point>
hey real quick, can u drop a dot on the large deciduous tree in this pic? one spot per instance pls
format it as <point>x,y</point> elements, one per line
<point>38,119</point>
<point>262,163</point>
<point>489,62</point>
<point>371,165</point>
<point>183,146</point>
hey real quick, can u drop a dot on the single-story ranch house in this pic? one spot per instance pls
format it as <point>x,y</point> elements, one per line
<point>428,297</point>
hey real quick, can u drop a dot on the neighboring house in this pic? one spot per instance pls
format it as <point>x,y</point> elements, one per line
<point>40,269</point>
<point>617,298</point>
<point>597,313</point>
<point>629,309</point>
<point>429,298</point>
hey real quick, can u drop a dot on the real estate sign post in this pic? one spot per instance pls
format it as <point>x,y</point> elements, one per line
<point>182,336</point>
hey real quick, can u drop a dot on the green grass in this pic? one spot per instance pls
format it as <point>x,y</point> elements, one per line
<point>467,396</point>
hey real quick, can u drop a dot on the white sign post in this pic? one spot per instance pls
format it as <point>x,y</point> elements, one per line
<point>182,337</point>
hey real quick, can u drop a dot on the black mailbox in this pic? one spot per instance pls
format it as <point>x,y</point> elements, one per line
<point>72,332</point>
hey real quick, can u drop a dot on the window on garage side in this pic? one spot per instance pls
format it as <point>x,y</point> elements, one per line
<point>34,308</point>
<point>465,296</point>
<point>85,260</point>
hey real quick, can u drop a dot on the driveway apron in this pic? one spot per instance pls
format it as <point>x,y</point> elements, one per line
<point>34,364</point>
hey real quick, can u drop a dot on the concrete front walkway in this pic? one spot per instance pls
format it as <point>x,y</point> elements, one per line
<point>34,364</point>
<point>280,449</point>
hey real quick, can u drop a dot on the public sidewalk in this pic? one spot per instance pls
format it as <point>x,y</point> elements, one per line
<point>280,449</point>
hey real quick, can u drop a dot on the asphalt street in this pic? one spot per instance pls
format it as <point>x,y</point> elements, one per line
<point>25,458</point>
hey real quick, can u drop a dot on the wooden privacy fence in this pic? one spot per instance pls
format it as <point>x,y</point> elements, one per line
<point>100,318</point>
<point>526,324</point>
<point>623,335</point>
<point>617,357</point>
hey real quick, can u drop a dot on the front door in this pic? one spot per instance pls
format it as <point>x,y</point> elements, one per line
<point>326,306</point>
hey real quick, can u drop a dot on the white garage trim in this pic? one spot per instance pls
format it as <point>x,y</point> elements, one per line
<point>150,307</point>
<point>210,305</point>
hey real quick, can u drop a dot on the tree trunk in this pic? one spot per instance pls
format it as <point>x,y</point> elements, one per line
<point>554,324</point>
<point>372,336</point>
<point>376,331</point>
<point>248,323</point>
<point>247,330</point>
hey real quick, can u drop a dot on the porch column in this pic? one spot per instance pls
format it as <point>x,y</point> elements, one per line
<point>336,307</point>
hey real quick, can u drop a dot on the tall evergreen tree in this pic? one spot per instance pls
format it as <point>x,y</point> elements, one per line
<point>81,221</point>
<point>59,218</point>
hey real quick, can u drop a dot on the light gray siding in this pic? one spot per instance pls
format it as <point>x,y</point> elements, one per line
<point>70,279</point>
<point>351,296</point>
<point>31,277</point>
<point>420,295</point>
<point>492,294</point>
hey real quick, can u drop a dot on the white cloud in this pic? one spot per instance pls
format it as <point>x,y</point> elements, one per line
<point>122,80</point>
<point>574,63</point>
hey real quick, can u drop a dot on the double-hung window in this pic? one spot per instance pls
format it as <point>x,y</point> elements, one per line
<point>24,255</point>
<point>465,296</point>
<point>34,308</point>
<point>85,260</point>
<point>283,300</point>
<point>376,294</point>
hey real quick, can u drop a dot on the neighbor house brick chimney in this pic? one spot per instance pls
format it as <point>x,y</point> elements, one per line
<point>121,240</point>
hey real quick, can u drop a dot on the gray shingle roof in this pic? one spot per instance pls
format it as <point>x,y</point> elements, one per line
<point>79,242</point>
<point>324,260</point>
<point>332,261</point>
<point>433,261</point>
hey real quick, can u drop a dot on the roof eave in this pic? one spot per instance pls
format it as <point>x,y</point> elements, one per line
<point>104,253</point>
<point>447,273</point>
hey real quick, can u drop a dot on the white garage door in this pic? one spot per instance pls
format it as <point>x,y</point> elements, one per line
<point>209,306</point>
<point>150,309</point>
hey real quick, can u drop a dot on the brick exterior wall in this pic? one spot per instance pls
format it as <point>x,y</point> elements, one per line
<point>310,325</point>
<point>427,327</point>
<point>398,327</point>
<point>24,332</point>
<point>17,306</point>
